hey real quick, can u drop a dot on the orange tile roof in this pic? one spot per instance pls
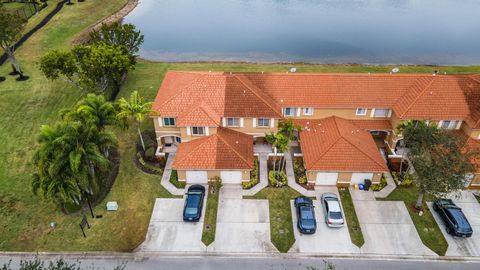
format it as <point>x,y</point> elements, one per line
<point>226,149</point>
<point>335,144</point>
<point>411,96</point>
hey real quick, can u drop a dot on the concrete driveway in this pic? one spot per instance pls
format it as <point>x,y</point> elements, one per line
<point>167,232</point>
<point>471,209</point>
<point>243,226</point>
<point>387,227</point>
<point>325,239</point>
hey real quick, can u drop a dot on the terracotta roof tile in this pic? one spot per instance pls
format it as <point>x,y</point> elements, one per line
<point>227,149</point>
<point>335,144</point>
<point>384,125</point>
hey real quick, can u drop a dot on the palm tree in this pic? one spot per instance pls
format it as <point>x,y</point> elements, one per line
<point>136,109</point>
<point>55,184</point>
<point>93,108</point>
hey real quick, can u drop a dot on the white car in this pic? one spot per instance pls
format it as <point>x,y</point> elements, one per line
<point>332,210</point>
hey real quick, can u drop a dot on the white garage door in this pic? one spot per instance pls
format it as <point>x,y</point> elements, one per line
<point>326,179</point>
<point>231,177</point>
<point>197,177</point>
<point>359,178</point>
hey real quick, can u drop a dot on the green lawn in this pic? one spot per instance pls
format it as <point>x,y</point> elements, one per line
<point>281,226</point>
<point>24,106</point>
<point>210,223</point>
<point>352,221</point>
<point>426,225</point>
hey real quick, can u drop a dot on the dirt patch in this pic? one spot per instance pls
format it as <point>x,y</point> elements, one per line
<point>83,37</point>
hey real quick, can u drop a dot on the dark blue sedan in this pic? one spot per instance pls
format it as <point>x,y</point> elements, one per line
<point>192,210</point>
<point>306,222</point>
<point>455,221</point>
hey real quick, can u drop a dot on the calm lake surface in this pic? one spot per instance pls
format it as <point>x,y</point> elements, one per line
<point>445,32</point>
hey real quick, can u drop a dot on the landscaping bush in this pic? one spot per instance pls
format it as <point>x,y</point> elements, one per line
<point>277,178</point>
<point>407,180</point>
<point>148,168</point>
<point>254,178</point>
<point>381,185</point>
<point>302,180</point>
<point>150,154</point>
<point>299,170</point>
<point>174,180</point>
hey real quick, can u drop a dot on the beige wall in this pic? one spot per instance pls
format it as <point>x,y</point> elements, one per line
<point>343,177</point>
<point>211,174</point>
<point>473,133</point>
<point>249,129</point>
<point>186,138</point>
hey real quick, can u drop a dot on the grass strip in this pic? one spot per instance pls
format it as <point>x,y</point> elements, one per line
<point>352,221</point>
<point>210,223</point>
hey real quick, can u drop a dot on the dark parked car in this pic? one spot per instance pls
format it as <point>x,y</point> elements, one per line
<point>305,215</point>
<point>455,221</point>
<point>192,210</point>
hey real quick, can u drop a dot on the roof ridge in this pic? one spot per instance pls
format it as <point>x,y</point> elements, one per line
<point>233,148</point>
<point>333,143</point>
<point>200,105</point>
<point>369,157</point>
<point>473,77</point>
<point>201,75</point>
<point>417,97</point>
<point>202,142</point>
<point>257,95</point>
<point>203,106</point>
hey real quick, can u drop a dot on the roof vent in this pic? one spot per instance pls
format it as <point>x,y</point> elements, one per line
<point>281,100</point>
<point>231,73</point>
<point>204,85</point>
<point>431,92</point>
<point>236,142</point>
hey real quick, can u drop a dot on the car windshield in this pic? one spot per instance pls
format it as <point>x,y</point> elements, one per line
<point>306,213</point>
<point>336,215</point>
<point>460,219</point>
<point>193,201</point>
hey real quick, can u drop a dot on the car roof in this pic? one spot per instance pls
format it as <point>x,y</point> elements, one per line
<point>329,195</point>
<point>333,206</point>
<point>457,213</point>
<point>303,200</point>
<point>196,188</point>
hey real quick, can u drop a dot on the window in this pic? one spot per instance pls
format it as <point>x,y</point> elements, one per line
<point>169,121</point>
<point>289,111</point>
<point>449,124</point>
<point>263,122</point>
<point>178,139</point>
<point>198,131</point>
<point>361,111</point>
<point>233,122</point>
<point>307,111</point>
<point>381,113</point>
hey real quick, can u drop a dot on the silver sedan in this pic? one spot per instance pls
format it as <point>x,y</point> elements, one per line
<point>332,210</point>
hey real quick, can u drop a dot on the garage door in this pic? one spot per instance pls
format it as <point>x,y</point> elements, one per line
<point>197,177</point>
<point>326,179</point>
<point>231,177</point>
<point>359,178</point>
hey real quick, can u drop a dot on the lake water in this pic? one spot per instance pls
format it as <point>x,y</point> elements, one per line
<point>445,32</point>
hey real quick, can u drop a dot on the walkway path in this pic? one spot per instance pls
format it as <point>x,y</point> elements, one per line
<point>291,177</point>
<point>262,174</point>
<point>165,182</point>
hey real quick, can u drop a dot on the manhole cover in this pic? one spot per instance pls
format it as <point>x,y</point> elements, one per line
<point>208,227</point>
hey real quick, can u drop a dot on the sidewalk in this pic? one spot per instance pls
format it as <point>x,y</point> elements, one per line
<point>165,182</point>
<point>291,177</point>
<point>389,188</point>
<point>262,175</point>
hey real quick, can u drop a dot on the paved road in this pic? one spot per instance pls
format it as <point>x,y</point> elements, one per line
<point>137,262</point>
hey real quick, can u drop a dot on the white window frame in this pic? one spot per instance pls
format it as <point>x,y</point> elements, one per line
<point>165,124</point>
<point>381,116</point>
<point>292,111</point>
<point>452,124</point>
<point>233,124</point>
<point>203,129</point>
<point>308,111</point>
<point>357,113</point>
<point>261,122</point>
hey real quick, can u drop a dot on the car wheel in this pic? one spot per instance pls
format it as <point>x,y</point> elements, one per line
<point>435,207</point>
<point>449,230</point>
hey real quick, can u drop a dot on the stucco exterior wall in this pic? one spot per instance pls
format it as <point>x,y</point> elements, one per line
<point>211,174</point>
<point>343,179</point>
<point>249,129</point>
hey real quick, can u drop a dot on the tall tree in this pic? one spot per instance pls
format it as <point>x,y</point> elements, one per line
<point>136,109</point>
<point>98,68</point>
<point>440,163</point>
<point>11,30</point>
<point>120,35</point>
<point>93,108</point>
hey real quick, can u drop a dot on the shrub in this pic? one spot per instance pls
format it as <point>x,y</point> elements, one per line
<point>407,180</point>
<point>150,154</point>
<point>299,171</point>
<point>302,180</point>
<point>215,184</point>
<point>254,178</point>
<point>174,180</point>
<point>381,185</point>
<point>277,178</point>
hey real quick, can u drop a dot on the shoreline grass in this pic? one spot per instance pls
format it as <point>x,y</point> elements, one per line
<point>353,224</point>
